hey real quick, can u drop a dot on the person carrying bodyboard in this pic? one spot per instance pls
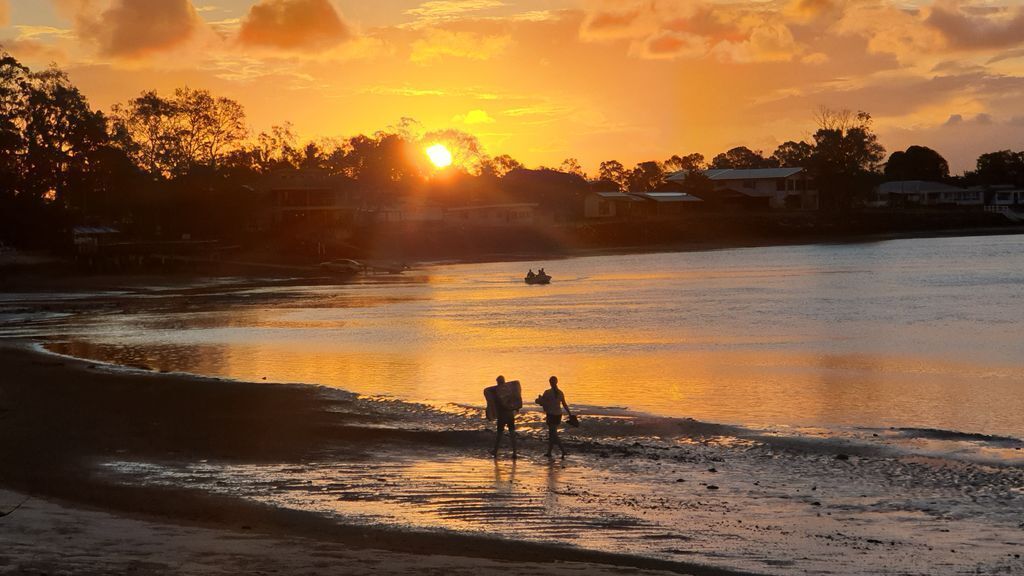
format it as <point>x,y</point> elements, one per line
<point>503,401</point>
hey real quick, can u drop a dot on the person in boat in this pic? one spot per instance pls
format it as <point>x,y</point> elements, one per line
<point>507,400</point>
<point>552,401</point>
<point>530,274</point>
<point>541,272</point>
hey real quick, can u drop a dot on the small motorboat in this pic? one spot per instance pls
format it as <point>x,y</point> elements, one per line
<point>538,279</point>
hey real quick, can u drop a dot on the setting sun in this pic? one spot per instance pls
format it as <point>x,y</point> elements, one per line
<point>440,155</point>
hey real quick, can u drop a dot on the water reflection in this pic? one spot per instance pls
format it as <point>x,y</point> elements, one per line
<point>920,332</point>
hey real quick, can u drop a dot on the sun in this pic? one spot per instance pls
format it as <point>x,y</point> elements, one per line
<point>440,155</point>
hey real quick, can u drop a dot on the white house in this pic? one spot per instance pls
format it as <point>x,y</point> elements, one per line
<point>926,193</point>
<point>780,187</point>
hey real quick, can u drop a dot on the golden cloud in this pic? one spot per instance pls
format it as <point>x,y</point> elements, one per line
<point>474,117</point>
<point>669,30</point>
<point>439,9</point>
<point>962,28</point>
<point>294,25</point>
<point>134,28</point>
<point>437,44</point>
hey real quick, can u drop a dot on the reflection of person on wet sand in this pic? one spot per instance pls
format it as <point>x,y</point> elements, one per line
<point>552,400</point>
<point>503,401</point>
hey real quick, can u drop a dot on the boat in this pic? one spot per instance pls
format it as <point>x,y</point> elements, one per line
<point>538,279</point>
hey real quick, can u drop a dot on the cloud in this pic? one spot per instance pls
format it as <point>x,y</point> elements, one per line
<point>437,44</point>
<point>474,117</point>
<point>442,9</point>
<point>134,28</point>
<point>294,25</point>
<point>964,28</point>
<point>34,50</point>
<point>668,30</point>
<point>5,13</point>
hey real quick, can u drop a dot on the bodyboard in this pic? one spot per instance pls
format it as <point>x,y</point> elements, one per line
<point>510,395</point>
<point>491,396</point>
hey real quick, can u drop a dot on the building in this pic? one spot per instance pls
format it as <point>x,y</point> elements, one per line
<point>611,205</point>
<point>667,204</point>
<point>775,188</point>
<point>1006,195</point>
<point>908,193</point>
<point>491,215</point>
<point>309,198</point>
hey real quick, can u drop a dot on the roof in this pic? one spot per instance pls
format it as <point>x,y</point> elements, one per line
<point>751,173</point>
<point>669,196</point>
<point>301,179</point>
<point>618,196</point>
<point>94,230</point>
<point>916,187</point>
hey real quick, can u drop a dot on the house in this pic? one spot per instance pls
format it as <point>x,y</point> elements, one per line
<point>87,239</point>
<point>776,188</point>
<point>491,215</point>
<point>309,197</point>
<point>1006,195</point>
<point>610,205</point>
<point>662,204</point>
<point>903,193</point>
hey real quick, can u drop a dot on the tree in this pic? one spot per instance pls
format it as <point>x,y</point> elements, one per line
<point>793,154</point>
<point>61,132</point>
<point>572,166</point>
<point>646,176</point>
<point>742,157</point>
<point>499,166</point>
<point>917,163</point>
<point>169,136</point>
<point>614,171</point>
<point>689,163</point>
<point>1002,167</point>
<point>846,157</point>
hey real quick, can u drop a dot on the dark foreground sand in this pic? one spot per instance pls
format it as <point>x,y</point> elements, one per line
<point>59,417</point>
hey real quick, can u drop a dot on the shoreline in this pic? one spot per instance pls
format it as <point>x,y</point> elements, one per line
<point>61,417</point>
<point>55,274</point>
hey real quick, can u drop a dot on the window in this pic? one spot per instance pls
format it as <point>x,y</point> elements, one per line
<point>749,184</point>
<point>780,185</point>
<point>603,208</point>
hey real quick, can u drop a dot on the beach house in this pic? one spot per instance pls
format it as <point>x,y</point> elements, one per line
<point>773,188</point>
<point>909,193</point>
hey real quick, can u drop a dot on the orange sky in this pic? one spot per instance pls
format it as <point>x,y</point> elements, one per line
<point>545,80</point>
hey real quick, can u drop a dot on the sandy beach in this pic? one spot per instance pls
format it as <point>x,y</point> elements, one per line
<point>59,417</point>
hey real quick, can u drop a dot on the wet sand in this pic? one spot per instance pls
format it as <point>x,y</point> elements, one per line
<point>60,419</point>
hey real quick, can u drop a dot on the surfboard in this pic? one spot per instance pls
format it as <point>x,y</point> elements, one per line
<point>491,396</point>
<point>510,395</point>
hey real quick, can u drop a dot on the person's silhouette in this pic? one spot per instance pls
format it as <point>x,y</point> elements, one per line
<point>553,400</point>
<point>506,416</point>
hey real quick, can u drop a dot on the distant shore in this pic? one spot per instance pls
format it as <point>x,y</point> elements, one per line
<point>49,274</point>
<point>60,417</point>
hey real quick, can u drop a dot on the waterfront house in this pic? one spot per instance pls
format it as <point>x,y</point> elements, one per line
<point>309,198</point>
<point>924,193</point>
<point>611,205</point>
<point>774,188</point>
<point>667,203</point>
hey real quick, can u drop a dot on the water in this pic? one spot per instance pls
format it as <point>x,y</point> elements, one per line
<point>921,333</point>
<point>852,409</point>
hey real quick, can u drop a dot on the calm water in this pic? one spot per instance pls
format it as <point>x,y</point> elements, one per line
<point>921,333</point>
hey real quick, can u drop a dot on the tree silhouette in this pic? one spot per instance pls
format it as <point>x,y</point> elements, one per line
<point>689,163</point>
<point>794,154</point>
<point>646,176</point>
<point>742,157</point>
<point>1002,167</point>
<point>614,171</point>
<point>846,157</point>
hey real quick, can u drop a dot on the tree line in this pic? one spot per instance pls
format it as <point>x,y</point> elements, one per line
<point>190,152</point>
